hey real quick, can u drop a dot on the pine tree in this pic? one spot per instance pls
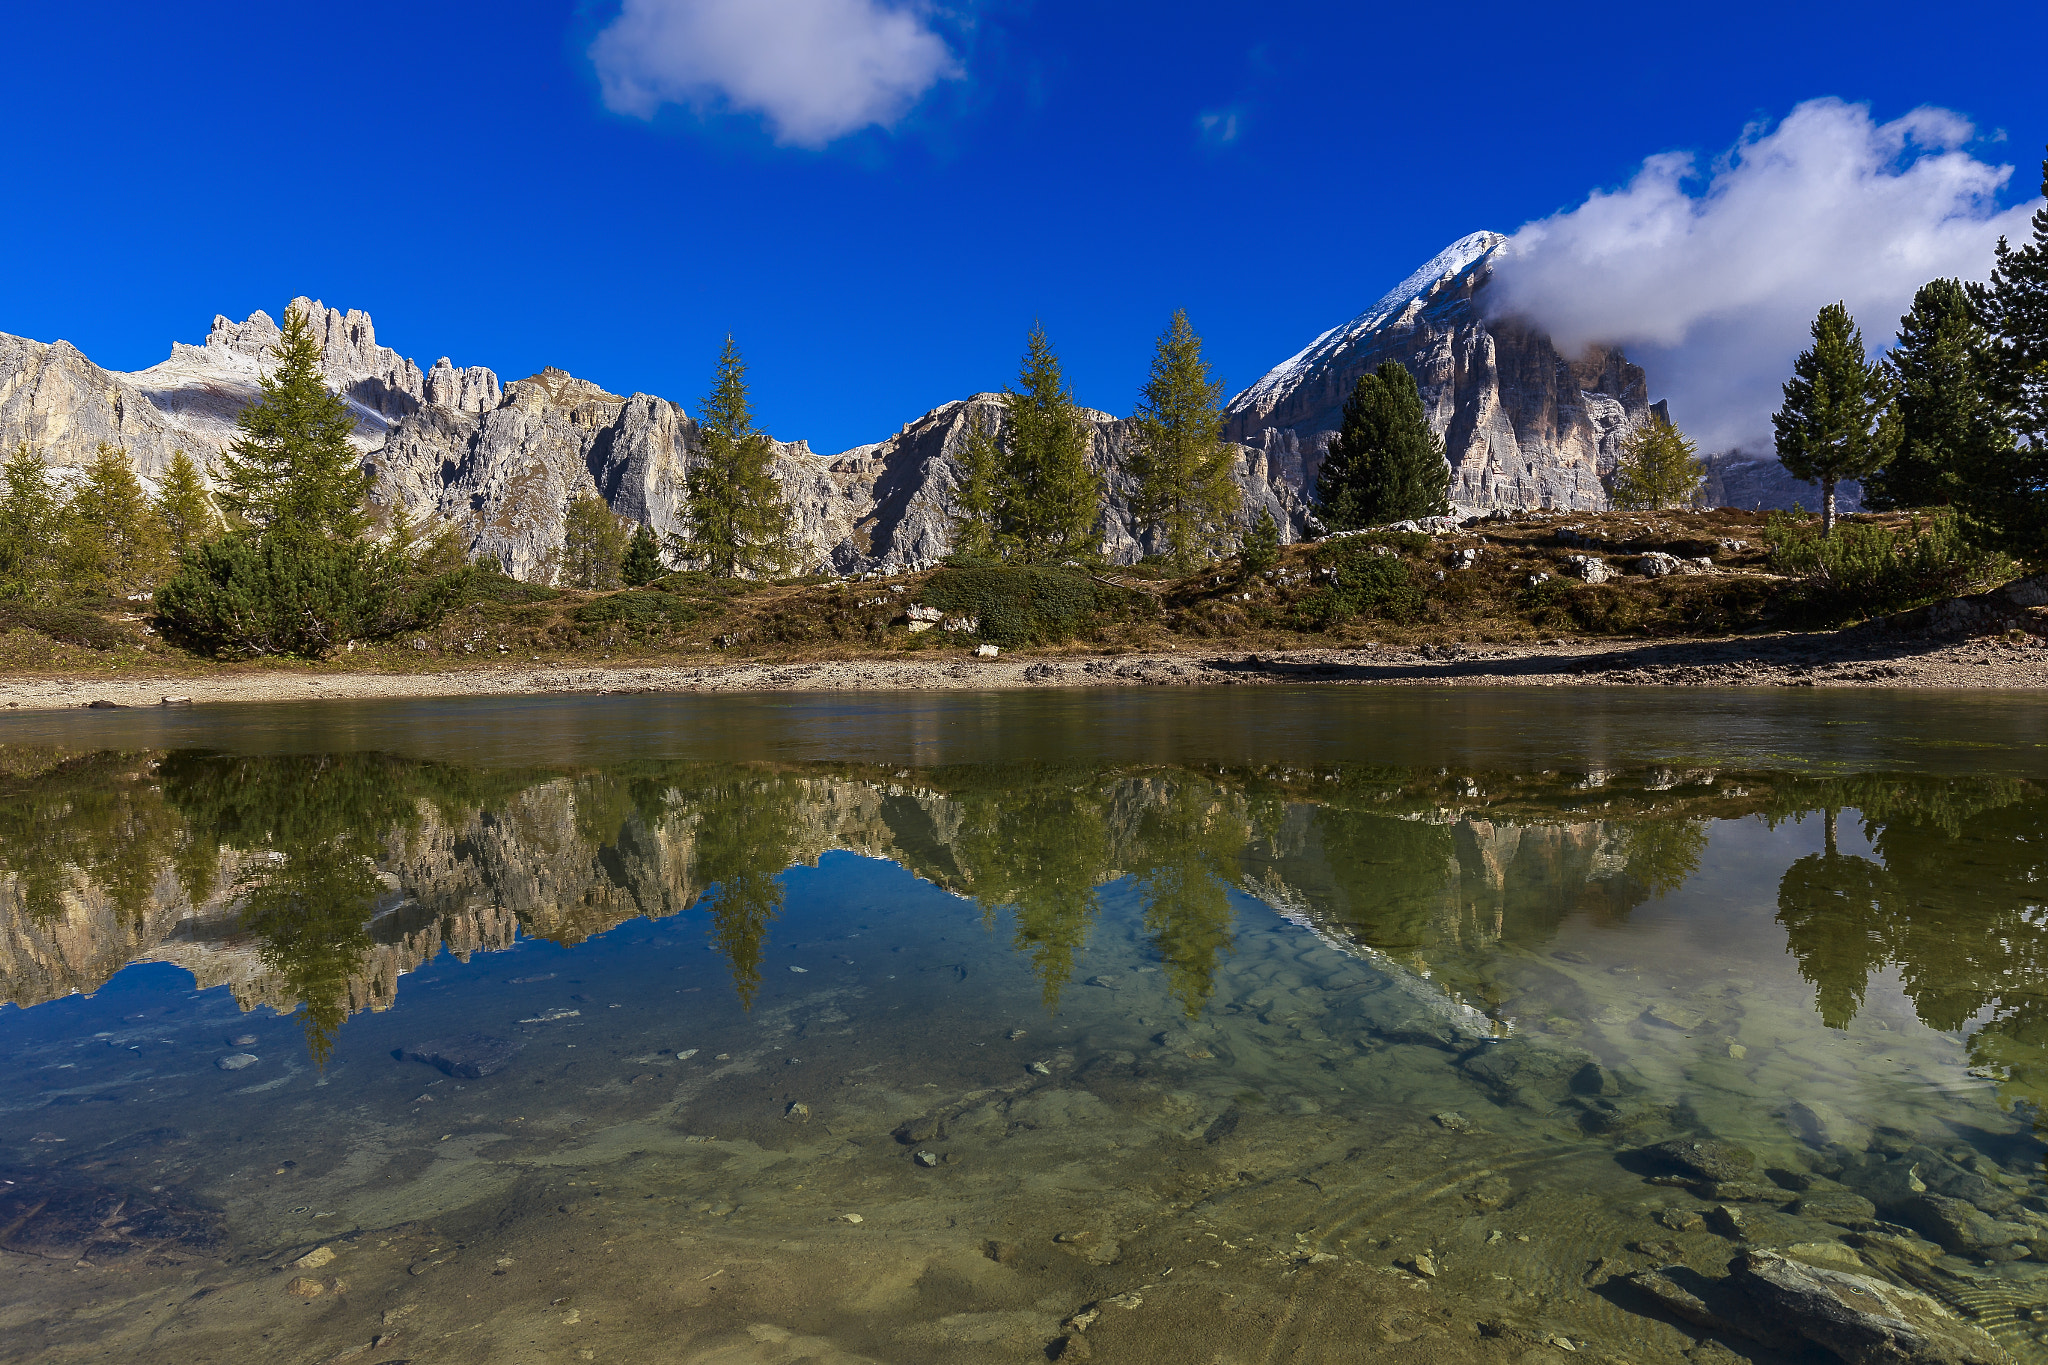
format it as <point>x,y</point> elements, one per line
<point>1386,463</point>
<point>1187,489</point>
<point>114,542</point>
<point>739,522</point>
<point>30,509</point>
<point>292,466</point>
<point>184,507</point>
<point>1047,498</point>
<point>1659,467</point>
<point>1838,420</point>
<point>1261,544</point>
<point>1945,422</point>
<point>973,513</point>
<point>642,563</point>
<point>2007,493</point>
<point>593,544</point>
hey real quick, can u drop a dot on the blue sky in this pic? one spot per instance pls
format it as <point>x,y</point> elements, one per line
<point>464,172</point>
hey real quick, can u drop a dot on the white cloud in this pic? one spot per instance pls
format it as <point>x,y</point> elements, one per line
<point>1218,126</point>
<point>814,69</point>
<point>1711,280</point>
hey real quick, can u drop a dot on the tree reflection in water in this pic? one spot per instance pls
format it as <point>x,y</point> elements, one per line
<point>347,870</point>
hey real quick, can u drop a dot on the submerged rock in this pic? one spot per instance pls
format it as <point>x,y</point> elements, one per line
<point>470,1056</point>
<point>235,1061</point>
<point>1858,1319</point>
<point>1703,1158</point>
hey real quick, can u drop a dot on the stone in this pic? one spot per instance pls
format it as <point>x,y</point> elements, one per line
<point>235,1061</point>
<point>467,1056</point>
<point>304,1288</point>
<point>242,1040</point>
<point>1728,1222</point>
<point>1681,1220</point>
<point>798,1112</point>
<point>1421,1263</point>
<point>929,1128</point>
<point>1860,1320</point>
<point>925,1159</point>
<point>1825,1253</point>
<point>1589,568</point>
<point>1702,1158</point>
<point>1455,1123</point>
<point>851,1218</point>
<point>314,1259</point>
<point>986,651</point>
<point>1960,1227</point>
<point>1659,565</point>
<point>1674,1299</point>
<point>1836,1206</point>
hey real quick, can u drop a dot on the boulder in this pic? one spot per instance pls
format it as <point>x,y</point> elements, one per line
<point>470,1056</point>
<point>1859,1320</point>
<point>1589,568</point>
<point>1702,1158</point>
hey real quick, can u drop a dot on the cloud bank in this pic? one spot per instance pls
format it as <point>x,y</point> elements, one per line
<point>816,70</point>
<point>1710,278</point>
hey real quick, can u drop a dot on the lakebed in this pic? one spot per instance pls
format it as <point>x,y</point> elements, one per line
<point>1304,1023</point>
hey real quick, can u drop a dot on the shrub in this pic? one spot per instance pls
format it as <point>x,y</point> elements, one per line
<point>285,593</point>
<point>1022,606</point>
<point>66,625</point>
<point>640,612</point>
<point>1370,579</point>
<point>1865,570</point>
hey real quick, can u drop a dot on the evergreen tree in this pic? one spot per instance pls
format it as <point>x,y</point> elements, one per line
<point>1046,498</point>
<point>30,509</point>
<point>114,542</point>
<point>738,519</point>
<point>184,507</point>
<point>1838,420</point>
<point>2007,493</point>
<point>293,465</point>
<point>642,563</point>
<point>1187,489</point>
<point>974,495</point>
<point>1945,422</point>
<point>593,544</point>
<point>1261,544</point>
<point>1385,464</point>
<point>1659,468</point>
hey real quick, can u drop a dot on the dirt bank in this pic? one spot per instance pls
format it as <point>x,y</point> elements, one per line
<point>1857,658</point>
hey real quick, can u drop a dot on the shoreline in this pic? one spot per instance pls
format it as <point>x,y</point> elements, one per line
<point>1854,658</point>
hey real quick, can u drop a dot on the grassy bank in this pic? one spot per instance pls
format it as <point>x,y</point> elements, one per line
<point>1500,581</point>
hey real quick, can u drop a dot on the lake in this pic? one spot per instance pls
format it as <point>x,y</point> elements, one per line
<point>1289,1024</point>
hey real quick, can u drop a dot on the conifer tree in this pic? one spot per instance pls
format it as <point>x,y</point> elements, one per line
<point>184,507</point>
<point>1838,420</point>
<point>292,466</point>
<point>738,519</point>
<point>974,495</point>
<point>1047,499</point>
<point>1261,544</point>
<point>2008,492</point>
<point>114,541</point>
<point>642,562</point>
<point>1945,422</point>
<point>593,544</point>
<point>30,509</point>
<point>1187,489</point>
<point>1659,468</point>
<point>1386,463</point>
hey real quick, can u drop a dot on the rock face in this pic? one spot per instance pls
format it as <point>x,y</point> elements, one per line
<point>1523,426</point>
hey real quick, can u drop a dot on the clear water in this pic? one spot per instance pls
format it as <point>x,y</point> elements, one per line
<point>1305,1025</point>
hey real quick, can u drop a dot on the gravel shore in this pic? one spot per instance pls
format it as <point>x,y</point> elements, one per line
<point>1855,658</point>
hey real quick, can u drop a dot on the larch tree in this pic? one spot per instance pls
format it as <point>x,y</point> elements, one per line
<point>739,521</point>
<point>1386,463</point>
<point>1187,486</point>
<point>593,544</point>
<point>1659,467</point>
<point>30,509</point>
<point>2008,492</point>
<point>113,539</point>
<point>185,507</point>
<point>1838,420</point>
<point>292,467</point>
<point>1047,499</point>
<point>1946,425</point>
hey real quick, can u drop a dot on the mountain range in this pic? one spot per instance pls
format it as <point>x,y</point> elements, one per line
<point>1523,425</point>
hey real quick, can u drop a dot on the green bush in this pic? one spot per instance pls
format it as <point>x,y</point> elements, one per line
<point>1866,570</point>
<point>1024,606</point>
<point>66,625</point>
<point>284,593</point>
<point>1370,579</point>
<point>640,612</point>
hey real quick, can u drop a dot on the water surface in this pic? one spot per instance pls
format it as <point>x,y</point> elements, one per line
<point>1317,1025</point>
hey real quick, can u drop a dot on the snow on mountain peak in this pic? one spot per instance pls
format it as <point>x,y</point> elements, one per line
<point>1446,263</point>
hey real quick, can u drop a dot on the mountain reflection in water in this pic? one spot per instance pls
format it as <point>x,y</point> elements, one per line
<point>313,883</point>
